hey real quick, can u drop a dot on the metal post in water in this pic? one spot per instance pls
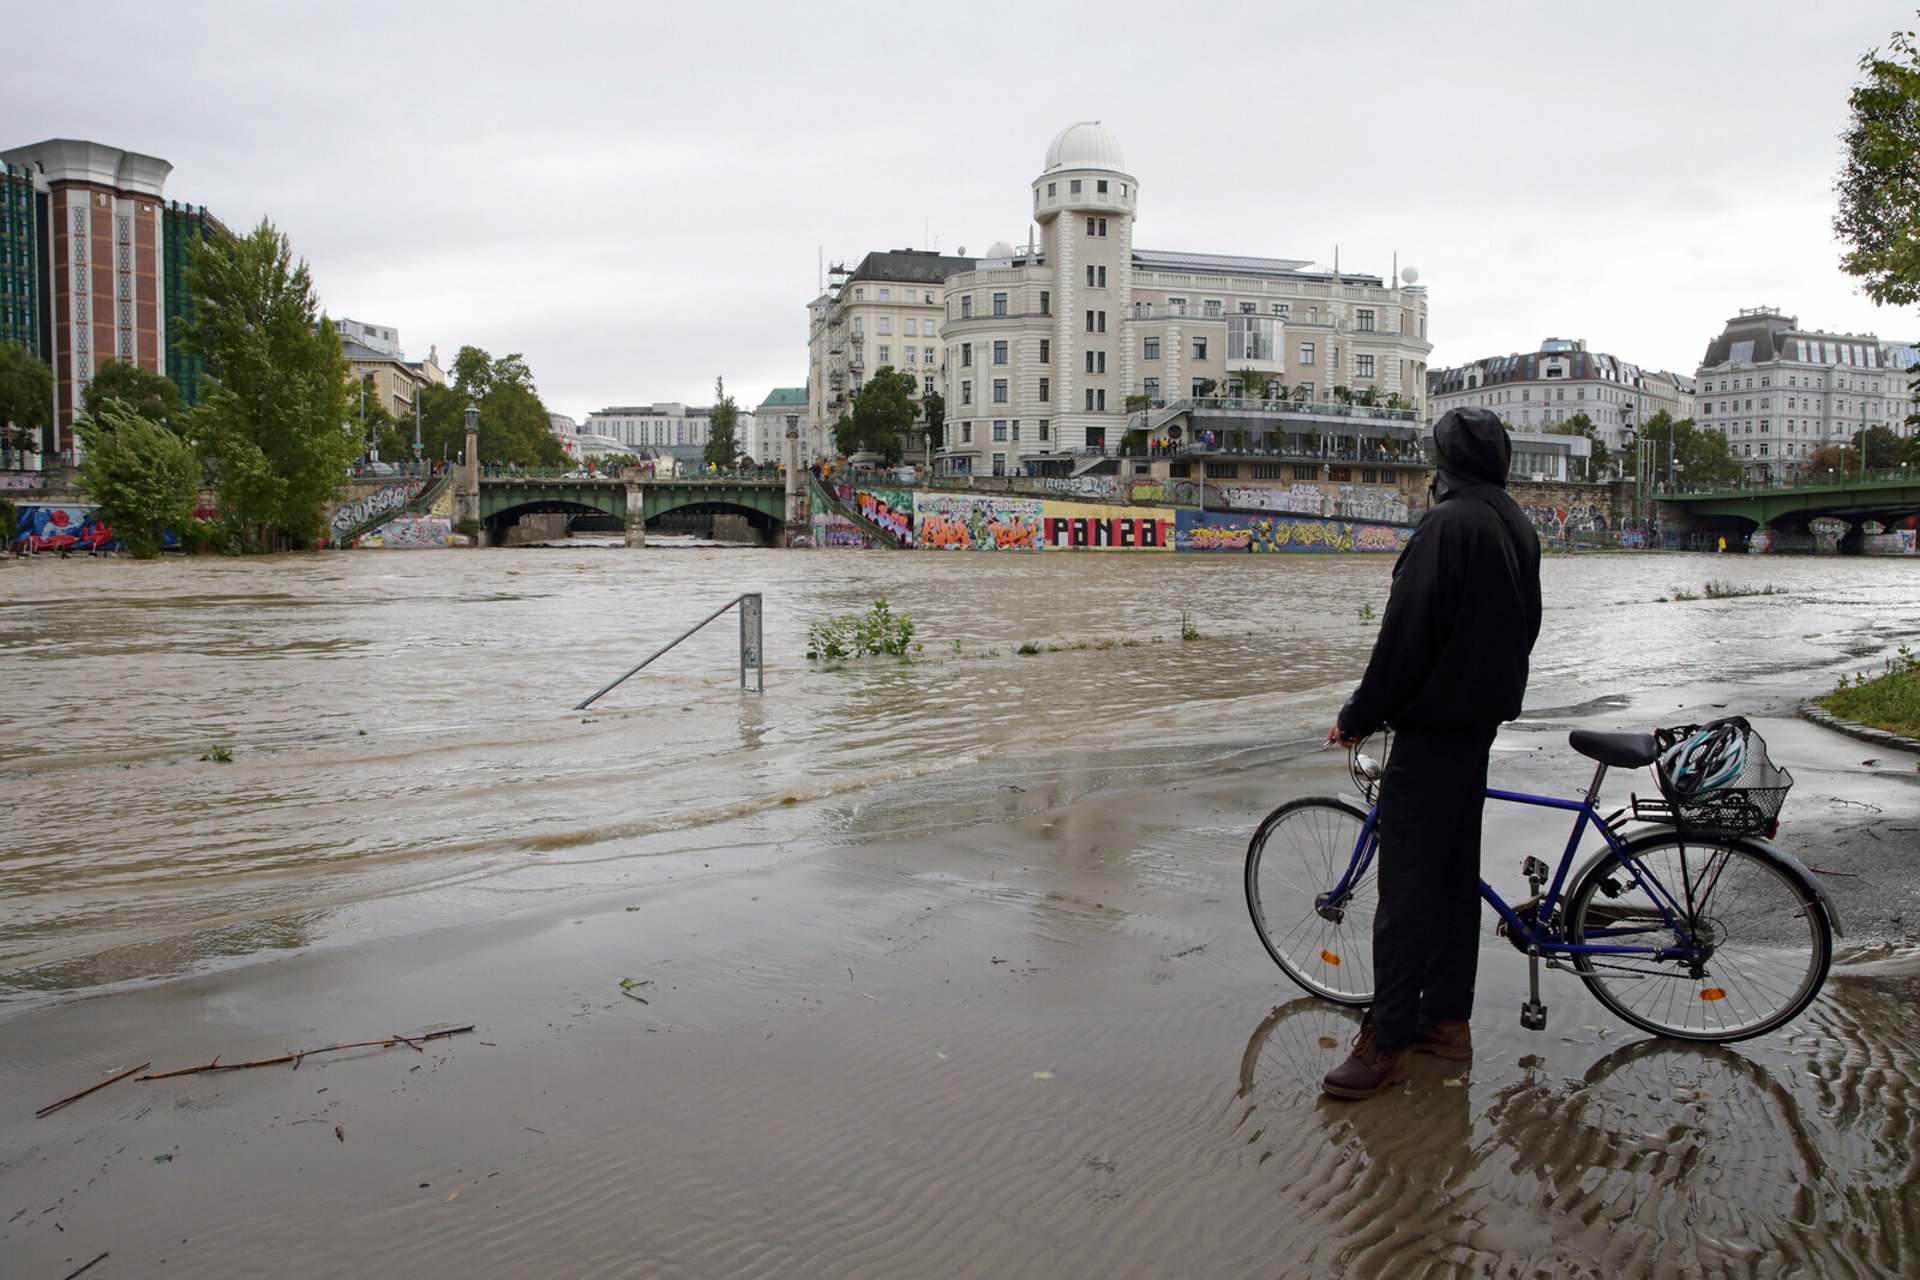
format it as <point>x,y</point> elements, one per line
<point>750,641</point>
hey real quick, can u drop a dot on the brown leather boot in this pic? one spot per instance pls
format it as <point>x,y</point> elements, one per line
<point>1368,1072</point>
<point>1450,1040</point>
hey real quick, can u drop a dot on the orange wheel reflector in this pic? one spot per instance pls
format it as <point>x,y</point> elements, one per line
<point>1330,957</point>
<point>1714,993</point>
<point>1328,1042</point>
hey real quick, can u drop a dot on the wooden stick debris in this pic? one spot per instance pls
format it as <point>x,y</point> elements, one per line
<point>52,1107</point>
<point>295,1057</point>
<point>71,1274</point>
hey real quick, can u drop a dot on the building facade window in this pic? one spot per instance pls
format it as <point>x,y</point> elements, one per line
<point>1306,353</point>
<point>999,390</point>
<point>999,351</point>
<point>966,355</point>
<point>1046,351</point>
<point>1046,389</point>
<point>966,391</point>
<point>1363,321</point>
<point>1151,349</point>
<point>1363,366</point>
<point>1000,304</point>
<point>1150,387</point>
<point>1199,348</point>
<point>1046,302</point>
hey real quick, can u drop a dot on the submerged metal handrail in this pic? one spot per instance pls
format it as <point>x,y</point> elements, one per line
<point>749,602</point>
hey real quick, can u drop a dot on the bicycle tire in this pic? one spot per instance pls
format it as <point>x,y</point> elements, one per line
<point>1765,942</point>
<point>1300,851</point>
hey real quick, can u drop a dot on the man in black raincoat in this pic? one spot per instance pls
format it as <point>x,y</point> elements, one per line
<point>1450,665</point>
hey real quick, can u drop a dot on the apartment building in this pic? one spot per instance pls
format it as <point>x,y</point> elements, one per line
<point>1535,390</point>
<point>885,311</point>
<point>764,437</point>
<point>1055,349</point>
<point>1778,392</point>
<point>671,429</point>
<point>376,361</point>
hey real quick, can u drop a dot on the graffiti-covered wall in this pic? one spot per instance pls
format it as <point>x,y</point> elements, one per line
<point>1246,531</point>
<point>1084,526</point>
<point>387,498</point>
<point>61,528</point>
<point>891,509</point>
<point>976,522</point>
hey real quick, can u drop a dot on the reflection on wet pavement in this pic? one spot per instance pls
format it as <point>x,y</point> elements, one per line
<point>1784,1156</point>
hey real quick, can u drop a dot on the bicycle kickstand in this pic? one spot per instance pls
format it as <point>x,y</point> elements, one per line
<point>1533,1014</point>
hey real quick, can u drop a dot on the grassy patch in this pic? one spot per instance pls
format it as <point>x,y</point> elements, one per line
<point>1890,700</point>
<point>1718,590</point>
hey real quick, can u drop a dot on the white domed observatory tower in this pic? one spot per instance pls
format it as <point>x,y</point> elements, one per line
<point>1084,202</point>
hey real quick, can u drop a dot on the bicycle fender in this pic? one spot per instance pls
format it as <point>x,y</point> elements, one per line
<point>1768,851</point>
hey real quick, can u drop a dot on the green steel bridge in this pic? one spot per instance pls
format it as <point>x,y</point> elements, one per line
<point>1885,497</point>
<point>636,503</point>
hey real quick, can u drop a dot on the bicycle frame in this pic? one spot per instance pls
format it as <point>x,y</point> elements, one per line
<point>1536,936</point>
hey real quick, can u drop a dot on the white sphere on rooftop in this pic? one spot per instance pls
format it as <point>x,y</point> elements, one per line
<point>1086,145</point>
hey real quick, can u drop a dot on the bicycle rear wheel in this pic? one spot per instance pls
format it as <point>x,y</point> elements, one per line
<point>1299,853</point>
<point>1756,940</point>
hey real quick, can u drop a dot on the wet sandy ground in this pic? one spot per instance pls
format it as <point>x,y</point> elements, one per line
<point>1023,1035</point>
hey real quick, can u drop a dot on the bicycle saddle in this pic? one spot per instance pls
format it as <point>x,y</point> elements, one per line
<point>1622,750</point>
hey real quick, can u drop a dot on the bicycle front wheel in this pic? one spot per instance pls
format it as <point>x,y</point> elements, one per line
<point>1747,941</point>
<point>1300,853</point>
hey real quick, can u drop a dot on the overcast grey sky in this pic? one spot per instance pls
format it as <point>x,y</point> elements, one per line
<point>635,196</point>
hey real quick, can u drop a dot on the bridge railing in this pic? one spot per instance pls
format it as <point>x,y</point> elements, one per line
<point>625,475</point>
<point>1906,474</point>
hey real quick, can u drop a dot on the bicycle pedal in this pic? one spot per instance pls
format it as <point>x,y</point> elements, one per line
<point>1533,1016</point>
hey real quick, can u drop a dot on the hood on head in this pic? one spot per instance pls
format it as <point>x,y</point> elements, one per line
<point>1472,445</point>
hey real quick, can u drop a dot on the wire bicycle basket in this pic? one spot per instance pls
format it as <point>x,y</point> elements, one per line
<point>1746,804</point>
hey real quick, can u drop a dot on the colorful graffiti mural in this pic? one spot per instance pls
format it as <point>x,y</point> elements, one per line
<point>830,530</point>
<point>1078,526</point>
<point>1244,531</point>
<point>891,509</point>
<point>411,533</point>
<point>61,529</point>
<point>31,481</point>
<point>976,522</point>
<point>364,508</point>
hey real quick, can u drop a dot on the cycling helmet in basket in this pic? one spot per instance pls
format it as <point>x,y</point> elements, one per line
<point>1704,761</point>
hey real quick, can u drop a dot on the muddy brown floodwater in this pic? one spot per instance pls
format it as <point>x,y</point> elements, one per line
<point>945,967</point>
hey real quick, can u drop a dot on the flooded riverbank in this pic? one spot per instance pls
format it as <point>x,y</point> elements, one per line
<point>400,723</point>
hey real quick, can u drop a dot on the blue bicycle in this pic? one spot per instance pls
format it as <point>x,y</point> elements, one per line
<point>1689,922</point>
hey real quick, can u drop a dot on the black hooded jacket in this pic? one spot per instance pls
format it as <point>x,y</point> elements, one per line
<point>1465,606</point>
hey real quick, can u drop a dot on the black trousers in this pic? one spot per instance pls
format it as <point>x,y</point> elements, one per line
<point>1426,933</point>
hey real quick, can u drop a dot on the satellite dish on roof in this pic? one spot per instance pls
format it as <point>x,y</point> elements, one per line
<point>1409,275</point>
<point>961,252</point>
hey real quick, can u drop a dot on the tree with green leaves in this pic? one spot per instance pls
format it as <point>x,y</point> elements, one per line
<point>1879,182</point>
<point>882,412</point>
<point>151,395</point>
<point>1581,425</point>
<point>26,402</point>
<point>144,476</point>
<point>723,429</point>
<point>514,424</point>
<point>274,422</point>
<point>1697,456</point>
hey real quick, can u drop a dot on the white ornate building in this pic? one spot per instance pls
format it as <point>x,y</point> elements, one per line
<point>1056,349</point>
<point>1534,390</point>
<point>1052,350</point>
<point>1779,392</point>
